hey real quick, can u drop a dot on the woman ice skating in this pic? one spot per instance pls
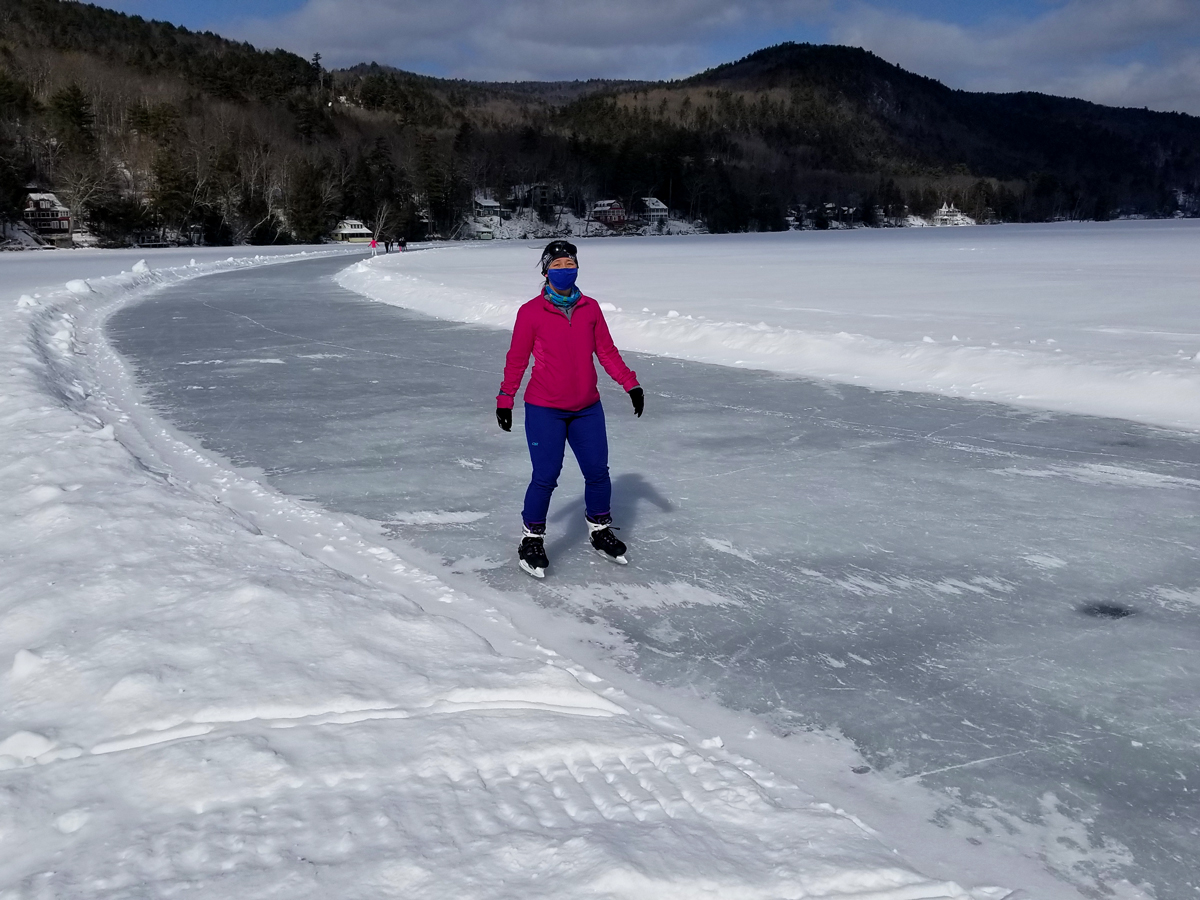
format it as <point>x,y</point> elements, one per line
<point>562,328</point>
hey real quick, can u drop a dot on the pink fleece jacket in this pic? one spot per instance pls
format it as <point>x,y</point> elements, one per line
<point>564,376</point>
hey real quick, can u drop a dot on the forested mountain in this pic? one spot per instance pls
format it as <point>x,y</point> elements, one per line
<point>144,128</point>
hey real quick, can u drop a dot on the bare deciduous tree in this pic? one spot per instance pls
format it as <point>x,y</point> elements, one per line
<point>81,181</point>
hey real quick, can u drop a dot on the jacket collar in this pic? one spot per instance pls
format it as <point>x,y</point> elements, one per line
<point>583,300</point>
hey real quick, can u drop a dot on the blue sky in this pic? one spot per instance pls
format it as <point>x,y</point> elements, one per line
<point>1120,52</point>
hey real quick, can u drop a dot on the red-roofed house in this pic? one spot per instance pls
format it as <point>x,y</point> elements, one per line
<point>45,215</point>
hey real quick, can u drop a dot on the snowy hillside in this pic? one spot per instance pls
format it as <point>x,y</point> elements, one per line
<point>1097,318</point>
<point>209,687</point>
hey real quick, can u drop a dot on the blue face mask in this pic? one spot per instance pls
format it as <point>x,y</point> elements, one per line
<point>562,280</point>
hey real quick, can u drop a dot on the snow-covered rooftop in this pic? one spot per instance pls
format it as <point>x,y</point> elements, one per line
<point>42,196</point>
<point>352,226</point>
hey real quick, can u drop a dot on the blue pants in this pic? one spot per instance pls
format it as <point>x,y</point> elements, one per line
<point>548,431</point>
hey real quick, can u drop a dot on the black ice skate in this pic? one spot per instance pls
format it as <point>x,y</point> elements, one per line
<point>604,541</point>
<point>532,553</point>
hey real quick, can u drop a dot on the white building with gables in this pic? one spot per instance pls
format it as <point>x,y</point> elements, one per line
<point>654,210</point>
<point>950,214</point>
<point>352,231</point>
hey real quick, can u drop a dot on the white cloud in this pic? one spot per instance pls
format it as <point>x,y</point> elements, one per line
<point>1119,52</point>
<point>1174,86</point>
<point>543,39</point>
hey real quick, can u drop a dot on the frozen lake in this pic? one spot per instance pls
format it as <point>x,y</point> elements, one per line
<point>1096,318</point>
<point>1001,603</point>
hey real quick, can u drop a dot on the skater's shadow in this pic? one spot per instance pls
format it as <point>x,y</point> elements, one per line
<point>629,490</point>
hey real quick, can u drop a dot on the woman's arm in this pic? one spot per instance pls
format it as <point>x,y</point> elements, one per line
<point>517,360</point>
<point>610,357</point>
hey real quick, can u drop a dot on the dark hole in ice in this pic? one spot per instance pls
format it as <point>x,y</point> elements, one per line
<point>1106,611</point>
<point>860,770</point>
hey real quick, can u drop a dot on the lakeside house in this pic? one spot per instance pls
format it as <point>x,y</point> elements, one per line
<point>949,214</point>
<point>485,207</point>
<point>352,231</point>
<point>536,195</point>
<point>609,212</point>
<point>48,218</point>
<point>653,210</point>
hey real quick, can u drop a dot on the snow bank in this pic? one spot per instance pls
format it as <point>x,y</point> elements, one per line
<point>209,687</point>
<point>1095,319</point>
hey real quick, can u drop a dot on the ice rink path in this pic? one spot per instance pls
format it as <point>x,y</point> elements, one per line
<point>998,603</point>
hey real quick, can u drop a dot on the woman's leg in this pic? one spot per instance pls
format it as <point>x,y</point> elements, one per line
<point>546,434</point>
<point>589,442</point>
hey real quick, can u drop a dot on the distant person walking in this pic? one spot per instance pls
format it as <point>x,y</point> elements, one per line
<point>563,329</point>
<point>374,247</point>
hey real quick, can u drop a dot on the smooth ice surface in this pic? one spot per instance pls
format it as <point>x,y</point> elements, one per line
<point>1097,318</point>
<point>999,603</point>
<point>29,274</point>
<point>211,689</point>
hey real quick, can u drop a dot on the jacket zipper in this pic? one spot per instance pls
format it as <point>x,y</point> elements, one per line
<point>562,313</point>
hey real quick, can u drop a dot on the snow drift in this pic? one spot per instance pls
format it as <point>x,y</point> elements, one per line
<point>1095,319</point>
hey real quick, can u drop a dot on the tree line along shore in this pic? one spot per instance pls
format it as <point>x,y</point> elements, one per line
<point>147,132</point>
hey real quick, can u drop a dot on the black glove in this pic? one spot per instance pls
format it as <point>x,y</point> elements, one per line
<point>504,418</point>
<point>639,400</point>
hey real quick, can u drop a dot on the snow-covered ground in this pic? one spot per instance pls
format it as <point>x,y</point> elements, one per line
<point>213,688</point>
<point>993,604</point>
<point>18,236</point>
<point>1097,318</point>
<point>218,684</point>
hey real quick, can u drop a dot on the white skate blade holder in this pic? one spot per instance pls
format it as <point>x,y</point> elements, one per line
<point>531,570</point>
<point>619,560</point>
